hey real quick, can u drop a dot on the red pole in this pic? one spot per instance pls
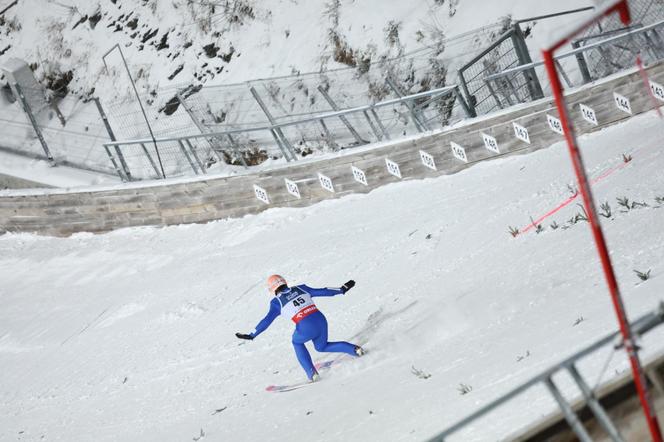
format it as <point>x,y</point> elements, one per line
<point>584,187</point>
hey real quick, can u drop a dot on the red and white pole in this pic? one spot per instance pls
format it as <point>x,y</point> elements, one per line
<point>584,187</point>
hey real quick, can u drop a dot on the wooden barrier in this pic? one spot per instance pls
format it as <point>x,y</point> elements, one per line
<point>59,212</point>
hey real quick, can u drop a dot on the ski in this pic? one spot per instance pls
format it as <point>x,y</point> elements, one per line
<point>320,366</point>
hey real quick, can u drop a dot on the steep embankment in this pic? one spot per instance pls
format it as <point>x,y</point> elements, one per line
<point>185,42</point>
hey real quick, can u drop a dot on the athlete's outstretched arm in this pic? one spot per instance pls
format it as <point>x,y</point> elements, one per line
<point>327,291</point>
<point>275,310</point>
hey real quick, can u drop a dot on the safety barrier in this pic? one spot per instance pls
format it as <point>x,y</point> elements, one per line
<point>132,158</point>
<point>203,129</point>
<point>508,87</point>
<point>641,326</point>
<point>206,198</point>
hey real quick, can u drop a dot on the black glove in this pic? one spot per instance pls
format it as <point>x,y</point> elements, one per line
<point>347,286</point>
<point>243,336</point>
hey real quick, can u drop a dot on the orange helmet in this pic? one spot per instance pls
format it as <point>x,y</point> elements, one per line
<point>274,282</point>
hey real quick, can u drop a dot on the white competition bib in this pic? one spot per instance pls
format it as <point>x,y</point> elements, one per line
<point>296,304</point>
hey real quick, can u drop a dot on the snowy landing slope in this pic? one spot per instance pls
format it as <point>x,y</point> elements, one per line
<point>129,335</point>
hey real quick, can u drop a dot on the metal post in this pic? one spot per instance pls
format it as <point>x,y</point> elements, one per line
<point>523,55</point>
<point>328,135</point>
<point>236,149</point>
<point>343,119</point>
<point>184,151</point>
<point>202,128</point>
<point>115,164</point>
<point>57,111</point>
<point>147,154</point>
<point>471,100</point>
<point>283,149</point>
<point>583,65</point>
<point>594,405</point>
<point>571,417</point>
<point>35,126</point>
<point>373,128</point>
<point>386,134</point>
<point>598,235</point>
<point>463,103</point>
<point>420,125</point>
<point>140,103</point>
<point>282,141</point>
<point>493,93</point>
<point>125,168</point>
<point>563,73</point>
<point>192,148</point>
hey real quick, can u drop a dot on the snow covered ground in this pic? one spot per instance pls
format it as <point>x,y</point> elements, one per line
<point>130,335</point>
<point>182,42</point>
<point>40,171</point>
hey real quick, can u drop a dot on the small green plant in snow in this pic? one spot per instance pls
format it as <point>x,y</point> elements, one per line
<point>464,389</point>
<point>643,276</point>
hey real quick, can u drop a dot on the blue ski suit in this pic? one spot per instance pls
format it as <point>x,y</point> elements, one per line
<point>310,323</point>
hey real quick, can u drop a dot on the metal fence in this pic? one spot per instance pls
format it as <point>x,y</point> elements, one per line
<point>607,54</point>
<point>507,51</point>
<point>221,128</point>
<point>290,105</point>
<point>335,129</point>
<point>65,130</point>
<point>603,49</point>
<point>641,326</point>
<point>172,113</point>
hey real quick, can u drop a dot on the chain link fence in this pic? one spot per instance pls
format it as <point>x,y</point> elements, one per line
<point>424,110</point>
<point>224,129</point>
<point>608,59</point>
<point>64,130</point>
<point>509,50</point>
<point>602,50</point>
<point>286,108</point>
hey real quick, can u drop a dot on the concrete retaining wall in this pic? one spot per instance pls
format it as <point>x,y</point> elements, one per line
<point>61,213</point>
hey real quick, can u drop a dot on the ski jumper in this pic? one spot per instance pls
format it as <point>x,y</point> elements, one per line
<point>310,324</point>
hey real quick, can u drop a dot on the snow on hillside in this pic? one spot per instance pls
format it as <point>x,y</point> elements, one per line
<point>130,335</point>
<point>189,43</point>
<point>183,42</point>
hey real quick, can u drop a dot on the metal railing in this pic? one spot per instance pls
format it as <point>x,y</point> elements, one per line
<point>240,125</point>
<point>63,131</point>
<point>507,51</point>
<point>641,326</point>
<point>340,128</point>
<point>507,87</point>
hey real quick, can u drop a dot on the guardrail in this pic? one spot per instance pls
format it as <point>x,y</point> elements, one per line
<point>213,197</point>
<point>508,88</point>
<point>640,326</point>
<point>132,158</point>
<point>252,132</point>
